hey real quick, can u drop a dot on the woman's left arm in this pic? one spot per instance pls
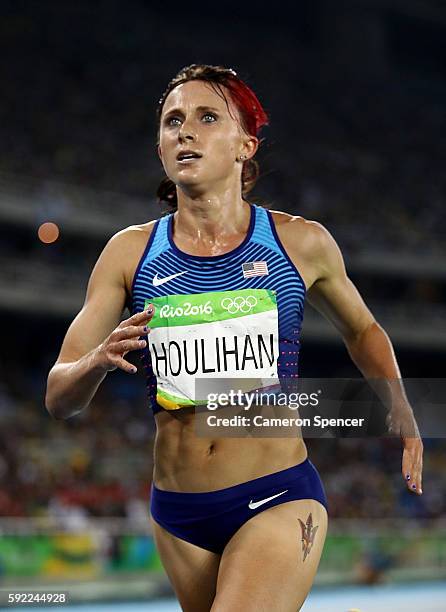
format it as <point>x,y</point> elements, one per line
<point>334,295</point>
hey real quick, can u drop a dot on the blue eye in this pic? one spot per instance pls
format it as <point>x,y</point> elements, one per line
<point>176,121</point>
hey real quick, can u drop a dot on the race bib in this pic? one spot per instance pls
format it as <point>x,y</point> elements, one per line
<point>226,334</point>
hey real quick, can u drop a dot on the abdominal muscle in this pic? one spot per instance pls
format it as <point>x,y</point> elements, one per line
<point>187,463</point>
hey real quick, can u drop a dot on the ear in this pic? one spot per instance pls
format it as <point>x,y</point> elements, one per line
<point>249,146</point>
<point>160,155</point>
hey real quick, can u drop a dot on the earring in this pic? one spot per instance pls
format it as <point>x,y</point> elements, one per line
<point>242,157</point>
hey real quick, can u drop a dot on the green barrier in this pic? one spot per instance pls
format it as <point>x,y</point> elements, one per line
<point>341,552</point>
<point>74,555</point>
<point>68,555</point>
<point>24,555</point>
<point>134,553</point>
<point>56,555</point>
<point>365,556</point>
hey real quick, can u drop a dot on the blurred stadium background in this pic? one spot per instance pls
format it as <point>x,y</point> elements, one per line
<point>356,91</point>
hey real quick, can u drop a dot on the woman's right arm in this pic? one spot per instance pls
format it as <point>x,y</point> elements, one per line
<point>96,342</point>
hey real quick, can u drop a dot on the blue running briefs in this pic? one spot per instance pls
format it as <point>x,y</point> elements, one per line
<point>211,518</point>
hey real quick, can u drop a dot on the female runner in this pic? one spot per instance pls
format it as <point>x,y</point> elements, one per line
<point>239,523</point>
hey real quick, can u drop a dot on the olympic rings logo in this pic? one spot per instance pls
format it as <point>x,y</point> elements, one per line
<point>239,304</point>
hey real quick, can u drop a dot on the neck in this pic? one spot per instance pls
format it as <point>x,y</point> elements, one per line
<point>211,218</point>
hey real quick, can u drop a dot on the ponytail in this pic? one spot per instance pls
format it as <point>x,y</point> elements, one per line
<point>167,193</point>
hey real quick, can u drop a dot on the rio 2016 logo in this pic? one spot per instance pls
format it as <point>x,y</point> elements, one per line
<point>185,310</point>
<point>239,304</point>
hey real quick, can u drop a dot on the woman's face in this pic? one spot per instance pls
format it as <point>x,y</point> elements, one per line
<point>196,119</point>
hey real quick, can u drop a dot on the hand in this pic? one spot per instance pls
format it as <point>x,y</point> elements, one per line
<point>412,465</point>
<point>403,422</point>
<point>126,337</point>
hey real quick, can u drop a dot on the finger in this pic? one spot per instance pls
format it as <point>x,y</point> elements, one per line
<point>132,331</point>
<point>407,471</point>
<point>418,454</point>
<point>418,471</point>
<point>414,482</point>
<point>124,365</point>
<point>408,468</point>
<point>124,346</point>
<point>415,485</point>
<point>139,317</point>
<point>412,469</point>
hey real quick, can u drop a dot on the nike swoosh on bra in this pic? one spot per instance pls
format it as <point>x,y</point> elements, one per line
<point>253,505</point>
<point>160,281</point>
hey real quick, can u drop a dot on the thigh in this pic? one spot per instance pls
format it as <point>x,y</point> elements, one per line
<point>192,570</point>
<point>271,562</point>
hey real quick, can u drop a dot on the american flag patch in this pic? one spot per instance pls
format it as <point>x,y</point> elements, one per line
<point>254,268</point>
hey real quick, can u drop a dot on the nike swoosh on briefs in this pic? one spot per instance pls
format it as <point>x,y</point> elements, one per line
<point>160,281</point>
<point>253,505</point>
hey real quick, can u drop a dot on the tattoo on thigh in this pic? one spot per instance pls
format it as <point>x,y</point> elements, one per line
<point>308,534</point>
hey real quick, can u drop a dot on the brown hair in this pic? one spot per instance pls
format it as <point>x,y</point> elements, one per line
<point>252,117</point>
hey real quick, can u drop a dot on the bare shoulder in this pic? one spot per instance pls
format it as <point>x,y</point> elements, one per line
<point>309,245</point>
<point>297,232</point>
<point>125,248</point>
<point>132,237</point>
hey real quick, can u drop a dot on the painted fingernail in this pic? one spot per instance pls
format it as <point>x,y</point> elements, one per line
<point>149,310</point>
<point>407,476</point>
<point>414,486</point>
<point>133,370</point>
<point>145,328</point>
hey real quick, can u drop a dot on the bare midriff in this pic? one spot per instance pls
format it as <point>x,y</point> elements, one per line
<point>187,463</point>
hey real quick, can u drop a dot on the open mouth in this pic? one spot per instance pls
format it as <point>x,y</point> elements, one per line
<point>188,156</point>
